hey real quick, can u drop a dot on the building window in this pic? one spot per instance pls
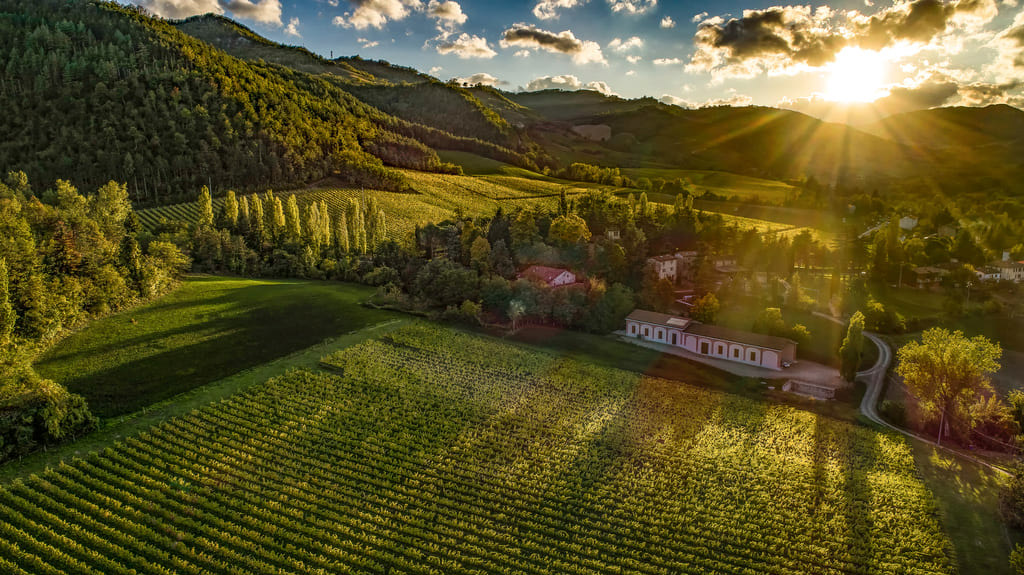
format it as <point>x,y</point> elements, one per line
<point>674,336</point>
<point>647,332</point>
<point>735,353</point>
<point>704,347</point>
<point>719,350</point>
<point>634,329</point>
<point>753,356</point>
<point>659,334</point>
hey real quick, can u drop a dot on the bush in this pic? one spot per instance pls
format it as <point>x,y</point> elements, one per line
<point>1011,500</point>
<point>894,412</point>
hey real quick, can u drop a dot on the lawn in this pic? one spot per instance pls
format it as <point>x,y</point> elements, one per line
<point>211,327</point>
<point>429,450</point>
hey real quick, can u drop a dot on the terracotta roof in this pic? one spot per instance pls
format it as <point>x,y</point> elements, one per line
<point>658,318</point>
<point>737,336</point>
<point>542,273</point>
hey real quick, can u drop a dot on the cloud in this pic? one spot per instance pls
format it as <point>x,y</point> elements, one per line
<point>786,39</point>
<point>620,45</point>
<point>667,61</point>
<point>698,17</point>
<point>632,6</point>
<point>549,9</point>
<point>365,43</point>
<point>737,100</point>
<point>633,59</point>
<point>292,29</point>
<point>376,13</point>
<point>1009,43</point>
<point>435,70</point>
<point>526,36</point>
<point>448,12</point>
<point>262,11</point>
<point>466,46</point>
<point>668,22</point>
<point>482,78</point>
<point>567,82</point>
<point>522,54</point>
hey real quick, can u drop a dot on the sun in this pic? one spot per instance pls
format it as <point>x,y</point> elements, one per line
<point>856,76</point>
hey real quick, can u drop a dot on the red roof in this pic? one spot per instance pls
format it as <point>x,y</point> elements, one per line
<point>542,273</point>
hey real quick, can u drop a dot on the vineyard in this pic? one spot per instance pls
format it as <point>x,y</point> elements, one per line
<point>434,451</point>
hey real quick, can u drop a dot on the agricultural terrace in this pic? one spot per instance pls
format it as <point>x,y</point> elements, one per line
<point>209,328</point>
<point>723,184</point>
<point>522,462</point>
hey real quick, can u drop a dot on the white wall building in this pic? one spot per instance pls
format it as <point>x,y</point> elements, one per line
<point>665,266</point>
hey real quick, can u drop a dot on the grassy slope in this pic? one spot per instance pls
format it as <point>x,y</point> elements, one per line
<point>208,329</point>
<point>720,183</point>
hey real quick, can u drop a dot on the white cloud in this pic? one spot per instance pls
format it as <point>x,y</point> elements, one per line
<point>435,70</point>
<point>482,78</point>
<point>667,61</point>
<point>632,6</point>
<point>292,29</point>
<point>466,46</point>
<point>620,45</point>
<point>376,13</point>
<point>564,42</point>
<point>674,101</point>
<point>262,11</point>
<point>737,100</point>
<point>447,12</point>
<point>548,9</point>
<point>633,59</point>
<point>567,82</point>
<point>698,17</point>
<point>522,54</point>
<point>365,43</point>
<point>631,73</point>
<point>668,22</point>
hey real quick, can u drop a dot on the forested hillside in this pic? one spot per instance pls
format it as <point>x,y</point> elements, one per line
<point>93,91</point>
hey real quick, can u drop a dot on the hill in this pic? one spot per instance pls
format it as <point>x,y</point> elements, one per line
<point>399,91</point>
<point>938,128</point>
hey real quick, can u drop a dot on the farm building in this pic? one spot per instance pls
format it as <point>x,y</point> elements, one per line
<point>665,266</point>
<point>711,340</point>
<point>553,277</point>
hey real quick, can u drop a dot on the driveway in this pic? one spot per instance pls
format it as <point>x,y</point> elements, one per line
<point>803,370</point>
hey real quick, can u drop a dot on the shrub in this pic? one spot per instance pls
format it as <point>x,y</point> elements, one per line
<point>894,412</point>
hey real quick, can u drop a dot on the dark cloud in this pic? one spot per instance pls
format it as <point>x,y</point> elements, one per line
<point>783,37</point>
<point>565,42</point>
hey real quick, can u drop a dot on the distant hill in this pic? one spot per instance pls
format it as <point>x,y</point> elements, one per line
<point>937,128</point>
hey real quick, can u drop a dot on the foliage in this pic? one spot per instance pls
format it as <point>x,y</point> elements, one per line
<point>852,348</point>
<point>769,321</point>
<point>705,309</point>
<point>949,373</point>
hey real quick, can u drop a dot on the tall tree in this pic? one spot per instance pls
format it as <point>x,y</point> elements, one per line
<point>227,217</point>
<point>7,315</point>
<point>243,216</point>
<point>948,373</point>
<point>257,228</point>
<point>852,349</point>
<point>706,308</point>
<point>341,236</point>
<point>205,208</point>
<point>292,223</point>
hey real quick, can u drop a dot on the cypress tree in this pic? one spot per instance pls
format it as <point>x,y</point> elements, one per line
<point>205,208</point>
<point>7,315</point>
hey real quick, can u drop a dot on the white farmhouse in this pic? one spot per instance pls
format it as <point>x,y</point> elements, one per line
<point>552,277</point>
<point>665,266</point>
<point>711,340</point>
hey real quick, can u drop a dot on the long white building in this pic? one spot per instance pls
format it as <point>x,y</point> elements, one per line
<point>711,340</point>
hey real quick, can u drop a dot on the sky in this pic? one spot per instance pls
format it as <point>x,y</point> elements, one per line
<point>840,60</point>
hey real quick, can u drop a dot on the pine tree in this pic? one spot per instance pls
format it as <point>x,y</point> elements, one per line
<point>205,208</point>
<point>292,223</point>
<point>227,218</point>
<point>7,315</point>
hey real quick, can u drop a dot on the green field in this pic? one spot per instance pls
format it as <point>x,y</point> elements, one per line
<point>720,183</point>
<point>433,451</point>
<point>208,329</point>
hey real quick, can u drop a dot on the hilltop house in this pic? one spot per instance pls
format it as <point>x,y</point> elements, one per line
<point>1010,270</point>
<point>665,266</point>
<point>908,223</point>
<point>552,277</point>
<point>711,340</point>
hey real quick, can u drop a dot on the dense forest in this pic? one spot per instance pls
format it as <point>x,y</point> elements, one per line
<point>64,258</point>
<point>97,90</point>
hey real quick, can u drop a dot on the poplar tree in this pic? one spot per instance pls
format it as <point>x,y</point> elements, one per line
<point>325,228</point>
<point>7,315</point>
<point>357,227</point>
<point>293,226</point>
<point>312,229</point>
<point>277,221</point>
<point>243,216</point>
<point>205,208</point>
<point>227,218</point>
<point>257,229</point>
<point>853,347</point>
<point>341,238</point>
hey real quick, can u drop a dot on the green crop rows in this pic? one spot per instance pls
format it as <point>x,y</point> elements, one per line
<point>433,451</point>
